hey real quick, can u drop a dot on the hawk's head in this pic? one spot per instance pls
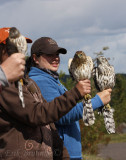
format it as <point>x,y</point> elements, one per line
<point>80,56</point>
<point>14,32</point>
<point>102,60</point>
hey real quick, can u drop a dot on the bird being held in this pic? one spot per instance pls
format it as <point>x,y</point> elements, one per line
<point>104,78</point>
<point>80,68</point>
<point>16,43</point>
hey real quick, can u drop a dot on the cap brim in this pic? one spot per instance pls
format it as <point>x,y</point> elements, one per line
<point>62,50</point>
<point>53,50</point>
<point>28,40</point>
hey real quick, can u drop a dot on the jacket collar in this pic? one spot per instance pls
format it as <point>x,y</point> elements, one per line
<point>51,73</point>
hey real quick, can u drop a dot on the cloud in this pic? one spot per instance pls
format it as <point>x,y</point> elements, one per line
<point>74,24</point>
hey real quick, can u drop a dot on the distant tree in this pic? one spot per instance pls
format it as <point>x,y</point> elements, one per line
<point>118,101</point>
<point>62,77</point>
<point>66,80</point>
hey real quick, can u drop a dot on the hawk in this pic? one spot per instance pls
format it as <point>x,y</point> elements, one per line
<point>104,78</point>
<point>80,68</point>
<point>16,43</point>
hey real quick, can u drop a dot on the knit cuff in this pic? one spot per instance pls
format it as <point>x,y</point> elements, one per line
<point>3,79</point>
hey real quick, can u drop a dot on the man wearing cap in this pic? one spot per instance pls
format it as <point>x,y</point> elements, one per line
<point>13,68</point>
<point>45,63</point>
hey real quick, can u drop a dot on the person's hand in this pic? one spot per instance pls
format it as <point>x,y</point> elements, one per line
<point>14,67</point>
<point>105,95</point>
<point>84,87</point>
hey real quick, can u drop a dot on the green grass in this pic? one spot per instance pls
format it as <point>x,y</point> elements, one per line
<point>114,138</point>
<point>117,138</point>
<point>93,157</point>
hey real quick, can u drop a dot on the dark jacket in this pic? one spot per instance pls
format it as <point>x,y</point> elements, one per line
<point>28,133</point>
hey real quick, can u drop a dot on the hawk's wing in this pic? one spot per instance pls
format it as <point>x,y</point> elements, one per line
<point>69,68</point>
<point>90,62</point>
<point>104,78</point>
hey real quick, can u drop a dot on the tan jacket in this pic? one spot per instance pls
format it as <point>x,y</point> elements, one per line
<point>29,133</point>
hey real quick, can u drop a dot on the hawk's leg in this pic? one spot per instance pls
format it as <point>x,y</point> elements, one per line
<point>20,91</point>
<point>109,118</point>
<point>107,107</point>
<point>87,97</point>
<point>88,114</point>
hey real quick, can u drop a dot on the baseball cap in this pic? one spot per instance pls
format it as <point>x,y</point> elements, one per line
<point>46,45</point>
<point>4,33</point>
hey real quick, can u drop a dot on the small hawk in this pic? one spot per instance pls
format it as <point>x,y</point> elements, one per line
<point>80,68</point>
<point>104,78</point>
<point>16,43</point>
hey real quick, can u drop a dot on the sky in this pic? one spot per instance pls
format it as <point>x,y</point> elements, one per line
<point>86,25</point>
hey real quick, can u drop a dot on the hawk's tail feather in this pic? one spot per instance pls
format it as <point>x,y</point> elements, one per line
<point>20,88</point>
<point>88,113</point>
<point>109,120</point>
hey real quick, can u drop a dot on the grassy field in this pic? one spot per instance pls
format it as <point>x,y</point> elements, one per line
<point>91,157</point>
<point>115,138</point>
<point>94,157</point>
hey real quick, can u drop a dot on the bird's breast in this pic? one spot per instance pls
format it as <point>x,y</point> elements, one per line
<point>82,72</point>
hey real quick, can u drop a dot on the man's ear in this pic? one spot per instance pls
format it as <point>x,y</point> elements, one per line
<point>3,56</point>
<point>35,58</point>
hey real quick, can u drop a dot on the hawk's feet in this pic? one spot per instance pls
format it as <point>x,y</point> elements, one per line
<point>87,97</point>
<point>21,80</point>
<point>107,107</point>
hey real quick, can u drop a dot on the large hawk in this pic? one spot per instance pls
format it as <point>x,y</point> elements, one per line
<point>104,78</point>
<point>80,68</point>
<point>16,43</point>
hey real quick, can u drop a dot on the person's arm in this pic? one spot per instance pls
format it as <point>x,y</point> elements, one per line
<point>36,113</point>
<point>50,90</point>
<point>105,96</point>
<point>96,102</point>
<point>76,113</point>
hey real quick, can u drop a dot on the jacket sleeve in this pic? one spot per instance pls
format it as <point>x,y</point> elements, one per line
<point>76,113</point>
<point>50,91</point>
<point>3,79</point>
<point>36,113</point>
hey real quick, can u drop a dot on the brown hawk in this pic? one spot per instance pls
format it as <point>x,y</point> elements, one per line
<point>104,78</point>
<point>80,68</point>
<point>16,43</point>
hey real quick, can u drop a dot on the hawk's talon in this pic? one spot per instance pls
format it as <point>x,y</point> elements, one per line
<point>87,97</point>
<point>107,107</point>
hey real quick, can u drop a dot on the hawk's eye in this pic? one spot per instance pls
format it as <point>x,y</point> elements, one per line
<point>81,55</point>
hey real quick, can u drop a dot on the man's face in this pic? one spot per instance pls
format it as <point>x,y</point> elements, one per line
<point>50,61</point>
